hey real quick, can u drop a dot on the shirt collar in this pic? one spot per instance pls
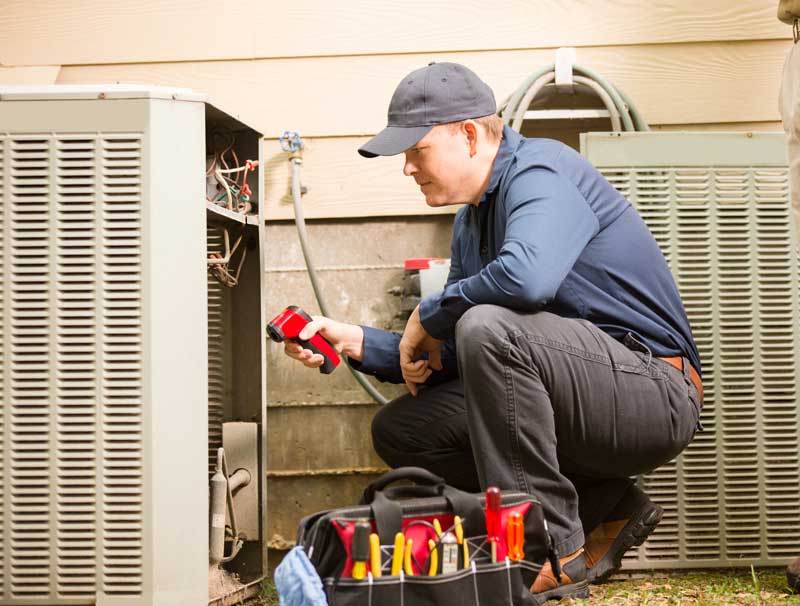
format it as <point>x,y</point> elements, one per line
<point>508,145</point>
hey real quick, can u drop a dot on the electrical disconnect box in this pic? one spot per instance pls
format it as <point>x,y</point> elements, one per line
<point>132,345</point>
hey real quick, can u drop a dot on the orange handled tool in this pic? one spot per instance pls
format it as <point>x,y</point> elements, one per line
<point>515,531</point>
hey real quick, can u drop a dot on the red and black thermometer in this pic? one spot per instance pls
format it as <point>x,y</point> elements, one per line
<point>289,323</point>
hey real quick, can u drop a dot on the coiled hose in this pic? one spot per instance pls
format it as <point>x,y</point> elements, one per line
<point>294,145</point>
<point>623,114</point>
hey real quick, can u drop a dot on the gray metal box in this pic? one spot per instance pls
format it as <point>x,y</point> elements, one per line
<point>718,205</point>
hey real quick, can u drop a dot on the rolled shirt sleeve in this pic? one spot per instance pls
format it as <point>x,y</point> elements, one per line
<point>548,225</point>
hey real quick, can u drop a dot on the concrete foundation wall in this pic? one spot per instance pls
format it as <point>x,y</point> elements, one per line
<point>320,452</point>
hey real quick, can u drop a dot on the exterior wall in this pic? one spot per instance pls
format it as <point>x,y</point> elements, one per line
<point>320,453</point>
<point>328,70</point>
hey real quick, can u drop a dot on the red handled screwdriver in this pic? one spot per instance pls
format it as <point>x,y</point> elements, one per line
<point>493,502</point>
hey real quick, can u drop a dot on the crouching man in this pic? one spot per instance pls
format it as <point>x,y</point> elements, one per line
<point>558,360</point>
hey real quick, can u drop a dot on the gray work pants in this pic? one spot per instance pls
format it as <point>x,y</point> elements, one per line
<point>547,405</point>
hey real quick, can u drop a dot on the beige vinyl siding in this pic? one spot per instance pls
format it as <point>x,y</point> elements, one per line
<point>39,74</point>
<point>117,31</point>
<point>345,96</point>
<point>343,184</point>
<point>328,70</point>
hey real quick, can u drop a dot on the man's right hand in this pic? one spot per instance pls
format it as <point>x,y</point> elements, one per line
<point>346,339</point>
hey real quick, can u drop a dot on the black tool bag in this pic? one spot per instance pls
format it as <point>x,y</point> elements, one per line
<point>327,537</point>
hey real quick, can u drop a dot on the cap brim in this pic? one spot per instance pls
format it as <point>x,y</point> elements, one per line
<point>393,140</point>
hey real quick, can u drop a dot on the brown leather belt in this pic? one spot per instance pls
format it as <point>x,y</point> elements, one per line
<point>677,362</point>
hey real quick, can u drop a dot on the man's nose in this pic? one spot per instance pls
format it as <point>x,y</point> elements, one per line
<point>409,168</point>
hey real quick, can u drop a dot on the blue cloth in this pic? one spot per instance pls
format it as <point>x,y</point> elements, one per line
<point>550,233</point>
<point>297,581</point>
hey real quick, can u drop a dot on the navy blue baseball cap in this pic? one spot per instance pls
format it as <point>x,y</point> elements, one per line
<point>436,94</point>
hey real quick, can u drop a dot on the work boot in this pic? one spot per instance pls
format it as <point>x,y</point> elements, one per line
<point>573,580</point>
<point>629,524</point>
<point>793,576</point>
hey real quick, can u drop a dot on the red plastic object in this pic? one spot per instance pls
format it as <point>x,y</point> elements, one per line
<point>515,539</point>
<point>493,506</point>
<point>289,323</point>
<point>420,263</point>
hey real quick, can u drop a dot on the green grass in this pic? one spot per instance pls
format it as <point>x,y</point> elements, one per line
<point>717,588</point>
<point>746,587</point>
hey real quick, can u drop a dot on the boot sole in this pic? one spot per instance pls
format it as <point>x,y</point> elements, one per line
<point>577,590</point>
<point>632,535</point>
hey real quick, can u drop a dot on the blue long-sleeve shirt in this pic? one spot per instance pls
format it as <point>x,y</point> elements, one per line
<point>550,233</point>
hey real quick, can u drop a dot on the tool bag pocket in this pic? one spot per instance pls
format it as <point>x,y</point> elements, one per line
<point>498,584</point>
<point>411,509</point>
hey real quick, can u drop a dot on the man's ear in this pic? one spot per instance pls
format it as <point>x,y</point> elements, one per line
<point>470,129</point>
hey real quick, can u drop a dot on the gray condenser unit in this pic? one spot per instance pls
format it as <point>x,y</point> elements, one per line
<point>718,205</point>
<point>110,399</point>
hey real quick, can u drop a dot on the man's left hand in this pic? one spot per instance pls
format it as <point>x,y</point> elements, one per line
<point>414,343</point>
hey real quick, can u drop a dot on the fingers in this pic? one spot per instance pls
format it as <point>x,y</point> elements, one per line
<point>414,372</point>
<point>435,358</point>
<point>417,371</point>
<point>306,356</point>
<point>312,328</point>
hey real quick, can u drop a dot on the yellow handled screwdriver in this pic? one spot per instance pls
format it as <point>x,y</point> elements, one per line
<point>375,555</point>
<point>437,527</point>
<point>397,554</point>
<point>460,538</point>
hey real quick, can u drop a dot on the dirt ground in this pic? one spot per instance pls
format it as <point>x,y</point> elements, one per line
<point>739,587</point>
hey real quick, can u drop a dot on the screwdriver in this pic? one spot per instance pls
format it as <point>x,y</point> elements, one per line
<point>493,501</point>
<point>397,554</point>
<point>460,538</point>
<point>375,555</point>
<point>515,531</point>
<point>360,549</point>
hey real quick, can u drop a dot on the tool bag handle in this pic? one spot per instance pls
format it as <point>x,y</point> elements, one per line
<point>388,513</point>
<point>418,475</point>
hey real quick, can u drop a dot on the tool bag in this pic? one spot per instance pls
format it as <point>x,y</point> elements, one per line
<point>327,537</point>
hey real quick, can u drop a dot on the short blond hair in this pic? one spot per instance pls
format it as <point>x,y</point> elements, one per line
<point>492,124</point>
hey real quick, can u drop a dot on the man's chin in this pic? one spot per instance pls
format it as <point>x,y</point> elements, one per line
<point>438,202</point>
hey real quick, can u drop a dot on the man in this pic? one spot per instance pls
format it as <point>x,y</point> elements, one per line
<point>558,360</point>
<point>789,13</point>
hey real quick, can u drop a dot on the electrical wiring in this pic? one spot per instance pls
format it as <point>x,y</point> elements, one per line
<point>229,173</point>
<point>219,264</point>
<point>232,193</point>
